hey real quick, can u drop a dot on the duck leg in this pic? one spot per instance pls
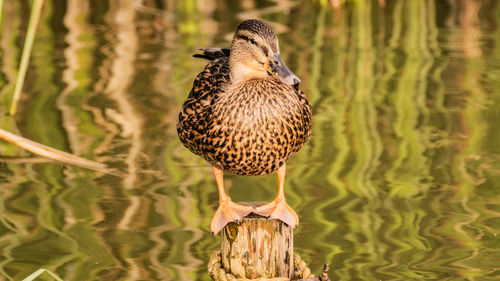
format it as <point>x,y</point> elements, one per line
<point>278,208</point>
<point>228,211</point>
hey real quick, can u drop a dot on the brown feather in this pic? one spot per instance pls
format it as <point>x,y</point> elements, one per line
<point>248,128</point>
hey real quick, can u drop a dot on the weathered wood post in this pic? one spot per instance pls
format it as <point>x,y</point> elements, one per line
<point>257,247</point>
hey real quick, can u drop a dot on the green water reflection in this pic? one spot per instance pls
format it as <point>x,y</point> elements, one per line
<point>399,181</point>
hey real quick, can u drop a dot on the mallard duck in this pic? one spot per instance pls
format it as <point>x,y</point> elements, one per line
<point>246,115</point>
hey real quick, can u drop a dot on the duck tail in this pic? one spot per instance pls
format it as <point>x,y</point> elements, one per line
<point>212,53</point>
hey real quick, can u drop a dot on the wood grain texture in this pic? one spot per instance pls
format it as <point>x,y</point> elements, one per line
<point>258,248</point>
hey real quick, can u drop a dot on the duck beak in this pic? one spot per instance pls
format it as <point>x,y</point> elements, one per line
<point>279,69</point>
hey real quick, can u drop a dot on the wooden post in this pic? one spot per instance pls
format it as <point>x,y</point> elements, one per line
<point>257,247</point>
<point>261,249</point>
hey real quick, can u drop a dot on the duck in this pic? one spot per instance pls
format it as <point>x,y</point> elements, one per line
<point>246,115</point>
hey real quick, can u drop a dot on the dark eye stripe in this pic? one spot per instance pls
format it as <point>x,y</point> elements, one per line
<point>248,39</point>
<point>252,41</point>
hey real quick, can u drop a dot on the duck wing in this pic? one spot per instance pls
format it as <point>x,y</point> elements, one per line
<point>196,114</point>
<point>213,53</point>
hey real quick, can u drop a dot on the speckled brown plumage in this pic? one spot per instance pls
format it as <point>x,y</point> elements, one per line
<point>246,115</point>
<point>251,128</point>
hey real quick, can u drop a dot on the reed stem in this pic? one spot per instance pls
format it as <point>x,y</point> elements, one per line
<point>28,44</point>
<point>49,152</point>
<point>1,10</point>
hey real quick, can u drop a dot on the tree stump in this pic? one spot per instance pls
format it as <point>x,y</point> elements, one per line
<point>257,247</point>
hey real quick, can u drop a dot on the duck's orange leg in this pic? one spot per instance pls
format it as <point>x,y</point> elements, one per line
<point>228,211</point>
<point>278,208</point>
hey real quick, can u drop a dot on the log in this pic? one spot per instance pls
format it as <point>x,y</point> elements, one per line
<point>257,247</point>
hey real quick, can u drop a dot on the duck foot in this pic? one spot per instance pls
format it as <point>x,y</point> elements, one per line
<point>227,212</point>
<point>278,209</point>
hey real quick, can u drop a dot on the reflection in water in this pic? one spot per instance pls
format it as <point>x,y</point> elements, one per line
<point>398,182</point>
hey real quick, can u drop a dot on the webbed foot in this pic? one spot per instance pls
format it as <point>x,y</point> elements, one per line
<point>227,212</point>
<point>279,209</point>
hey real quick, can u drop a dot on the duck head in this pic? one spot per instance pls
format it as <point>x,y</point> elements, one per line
<point>255,54</point>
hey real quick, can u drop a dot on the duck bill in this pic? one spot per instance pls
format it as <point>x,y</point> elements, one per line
<point>283,73</point>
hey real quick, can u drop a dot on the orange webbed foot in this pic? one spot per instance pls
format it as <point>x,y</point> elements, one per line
<point>279,209</point>
<point>227,212</point>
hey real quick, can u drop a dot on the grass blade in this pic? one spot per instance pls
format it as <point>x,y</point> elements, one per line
<point>1,10</point>
<point>28,44</point>
<point>39,272</point>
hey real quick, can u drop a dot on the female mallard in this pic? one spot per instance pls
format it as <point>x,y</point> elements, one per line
<point>245,115</point>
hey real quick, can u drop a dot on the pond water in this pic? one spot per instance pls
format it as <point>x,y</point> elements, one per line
<point>400,179</point>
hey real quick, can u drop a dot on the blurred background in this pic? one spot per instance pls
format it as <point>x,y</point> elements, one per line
<point>400,179</point>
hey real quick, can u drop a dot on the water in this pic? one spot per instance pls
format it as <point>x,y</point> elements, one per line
<point>399,181</point>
